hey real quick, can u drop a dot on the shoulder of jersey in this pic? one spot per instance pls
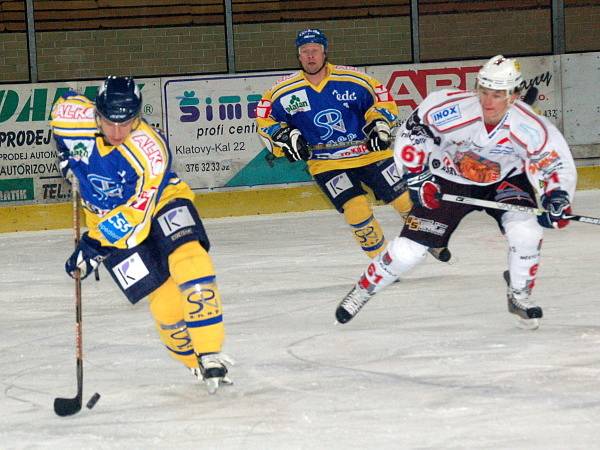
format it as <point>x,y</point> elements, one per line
<point>352,69</point>
<point>528,128</point>
<point>286,83</point>
<point>289,78</point>
<point>74,115</point>
<point>449,108</point>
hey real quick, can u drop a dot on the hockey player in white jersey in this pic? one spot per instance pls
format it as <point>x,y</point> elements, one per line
<point>485,144</point>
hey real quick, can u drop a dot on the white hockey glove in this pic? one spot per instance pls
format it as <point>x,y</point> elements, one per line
<point>379,134</point>
<point>293,144</point>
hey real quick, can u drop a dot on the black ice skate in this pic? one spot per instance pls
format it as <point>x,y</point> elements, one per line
<point>442,254</point>
<point>352,304</point>
<point>520,304</point>
<point>212,370</point>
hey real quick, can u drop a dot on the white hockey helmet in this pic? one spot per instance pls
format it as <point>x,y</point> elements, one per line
<point>501,74</point>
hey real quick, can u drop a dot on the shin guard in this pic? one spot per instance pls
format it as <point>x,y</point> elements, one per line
<point>524,236</point>
<point>366,229</point>
<point>166,309</point>
<point>191,268</point>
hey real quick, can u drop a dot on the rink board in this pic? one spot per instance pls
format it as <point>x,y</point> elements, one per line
<point>216,204</point>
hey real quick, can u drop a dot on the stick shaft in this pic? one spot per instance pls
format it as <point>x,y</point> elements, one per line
<point>78,309</point>
<point>515,208</point>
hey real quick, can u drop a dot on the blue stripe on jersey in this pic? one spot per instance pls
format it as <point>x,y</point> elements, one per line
<point>205,322</point>
<point>192,283</point>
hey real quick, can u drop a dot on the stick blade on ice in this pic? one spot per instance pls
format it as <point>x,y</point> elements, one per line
<point>67,406</point>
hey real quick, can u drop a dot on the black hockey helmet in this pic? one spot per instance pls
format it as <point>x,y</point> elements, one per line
<point>119,99</point>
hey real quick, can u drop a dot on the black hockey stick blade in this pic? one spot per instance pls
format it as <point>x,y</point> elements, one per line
<point>67,406</point>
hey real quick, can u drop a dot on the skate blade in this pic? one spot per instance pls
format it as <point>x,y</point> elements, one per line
<point>528,324</point>
<point>213,384</point>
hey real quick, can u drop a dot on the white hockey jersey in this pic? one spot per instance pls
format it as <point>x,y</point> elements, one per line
<point>447,133</point>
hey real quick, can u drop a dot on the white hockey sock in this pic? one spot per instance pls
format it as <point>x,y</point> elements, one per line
<point>400,256</point>
<point>524,237</point>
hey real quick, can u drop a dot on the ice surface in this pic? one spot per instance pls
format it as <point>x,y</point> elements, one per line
<point>433,362</point>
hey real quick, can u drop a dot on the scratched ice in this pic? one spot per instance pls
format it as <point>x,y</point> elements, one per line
<point>433,362</point>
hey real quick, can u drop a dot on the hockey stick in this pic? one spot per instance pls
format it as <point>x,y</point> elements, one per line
<point>269,157</point>
<point>70,406</point>
<point>515,208</point>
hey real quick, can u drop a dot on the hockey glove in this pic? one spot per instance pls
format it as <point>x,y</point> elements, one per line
<point>293,144</point>
<point>64,162</point>
<point>87,257</point>
<point>557,204</point>
<point>423,189</point>
<point>379,135</point>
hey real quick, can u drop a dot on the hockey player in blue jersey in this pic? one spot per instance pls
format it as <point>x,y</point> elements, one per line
<point>141,222</point>
<point>339,120</point>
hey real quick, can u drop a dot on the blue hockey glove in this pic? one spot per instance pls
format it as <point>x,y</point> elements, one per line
<point>294,146</point>
<point>557,205</point>
<point>87,257</point>
<point>379,134</point>
<point>423,189</point>
<point>63,161</point>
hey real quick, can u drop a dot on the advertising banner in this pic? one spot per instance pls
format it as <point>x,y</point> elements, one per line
<point>212,131</point>
<point>410,84</point>
<point>29,170</point>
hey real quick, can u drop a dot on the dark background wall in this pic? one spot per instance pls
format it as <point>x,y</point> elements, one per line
<point>78,39</point>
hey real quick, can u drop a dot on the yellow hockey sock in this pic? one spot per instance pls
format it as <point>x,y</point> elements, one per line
<point>192,269</point>
<point>402,204</point>
<point>365,227</point>
<point>167,311</point>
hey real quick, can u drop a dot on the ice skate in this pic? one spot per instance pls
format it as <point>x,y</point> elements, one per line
<point>442,254</point>
<point>352,304</point>
<point>520,305</point>
<point>212,370</point>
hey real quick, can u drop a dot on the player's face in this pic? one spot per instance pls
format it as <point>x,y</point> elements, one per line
<point>494,104</point>
<point>312,58</point>
<point>116,133</point>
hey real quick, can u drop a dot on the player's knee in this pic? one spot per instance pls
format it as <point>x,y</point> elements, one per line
<point>406,254</point>
<point>190,261</point>
<point>366,229</point>
<point>165,302</point>
<point>522,230</point>
<point>402,204</point>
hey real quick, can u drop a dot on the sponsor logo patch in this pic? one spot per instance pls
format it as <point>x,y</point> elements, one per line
<point>295,102</point>
<point>175,219</point>
<point>426,225</point>
<point>391,174</point>
<point>446,115</point>
<point>130,271</point>
<point>114,228</point>
<point>338,184</point>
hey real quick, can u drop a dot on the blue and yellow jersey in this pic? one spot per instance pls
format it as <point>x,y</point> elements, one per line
<point>121,187</point>
<point>330,116</point>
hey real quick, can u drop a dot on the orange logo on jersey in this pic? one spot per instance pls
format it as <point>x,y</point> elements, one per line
<point>475,168</point>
